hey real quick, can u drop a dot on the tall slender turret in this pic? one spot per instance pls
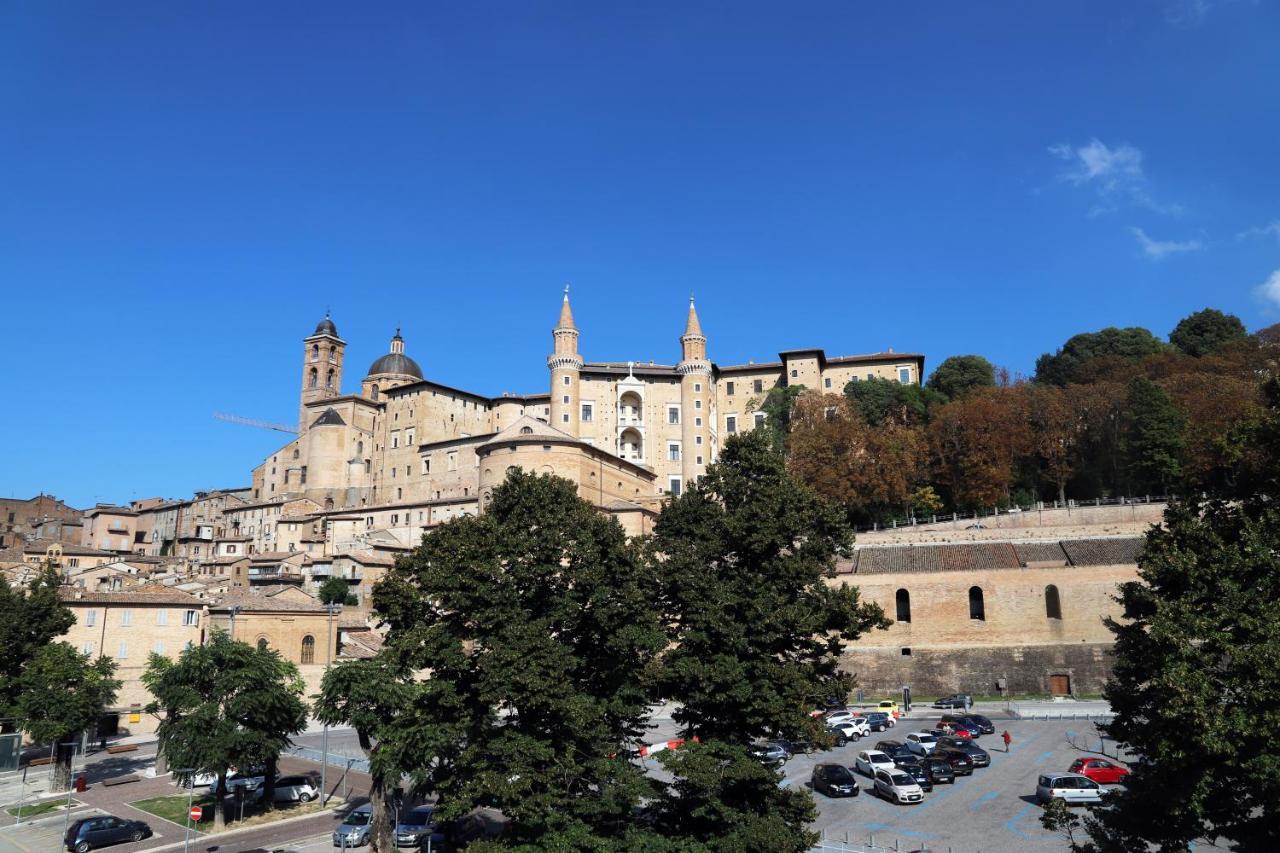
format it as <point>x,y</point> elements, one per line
<point>566,366</point>
<point>695,397</point>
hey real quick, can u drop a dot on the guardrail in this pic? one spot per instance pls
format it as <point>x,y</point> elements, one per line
<point>978,515</point>
<point>845,845</point>
<point>336,759</point>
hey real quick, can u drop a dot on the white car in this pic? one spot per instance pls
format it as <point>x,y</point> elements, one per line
<point>1071,788</point>
<point>295,789</point>
<point>871,760</point>
<point>896,785</point>
<point>833,717</point>
<point>854,729</point>
<point>921,743</point>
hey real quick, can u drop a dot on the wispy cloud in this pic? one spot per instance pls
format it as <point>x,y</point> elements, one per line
<point>1159,249</point>
<point>1271,229</point>
<point>1269,290</point>
<point>1114,173</point>
<point>1187,13</point>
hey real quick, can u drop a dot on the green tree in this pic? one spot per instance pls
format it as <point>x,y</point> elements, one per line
<point>374,697</point>
<point>883,400</point>
<point>1207,331</point>
<point>1154,442</point>
<point>61,694</point>
<point>1067,364</point>
<point>30,619</point>
<point>336,590</point>
<point>225,704</point>
<point>755,632</point>
<point>959,373</point>
<point>777,406</point>
<point>537,624</point>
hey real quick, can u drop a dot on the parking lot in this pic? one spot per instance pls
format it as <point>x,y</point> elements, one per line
<point>992,811</point>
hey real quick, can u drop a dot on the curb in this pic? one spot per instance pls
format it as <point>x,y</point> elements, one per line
<point>211,836</point>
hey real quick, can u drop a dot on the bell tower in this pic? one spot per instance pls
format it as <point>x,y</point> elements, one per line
<point>695,399</point>
<point>566,367</point>
<point>322,353</point>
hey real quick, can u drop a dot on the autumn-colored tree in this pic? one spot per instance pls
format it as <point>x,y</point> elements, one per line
<point>1055,428</point>
<point>836,453</point>
<point>1213,407</point>
<point>976,443</point>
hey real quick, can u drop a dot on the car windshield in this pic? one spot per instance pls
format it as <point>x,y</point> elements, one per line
<point>923,738</point>
<point>417,817</point>
<point>901,779</point>
<point>356,819</point>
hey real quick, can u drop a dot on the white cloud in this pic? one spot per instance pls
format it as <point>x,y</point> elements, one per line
<point>1114,173</point>
<point>1269,290</point>
<point>1271,229</point>
<point>1159,249</point>
<point>1187,13</point>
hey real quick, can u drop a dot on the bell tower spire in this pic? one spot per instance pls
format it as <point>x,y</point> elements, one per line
<point>566,369</point>
<point>696,399</point>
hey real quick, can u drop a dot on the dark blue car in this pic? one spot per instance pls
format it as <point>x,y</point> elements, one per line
<point>89,832</point>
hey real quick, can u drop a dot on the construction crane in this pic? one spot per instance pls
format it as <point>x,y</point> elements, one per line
<point>253,422</point>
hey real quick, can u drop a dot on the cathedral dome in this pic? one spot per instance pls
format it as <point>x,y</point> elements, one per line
<point>326,327</point>
<point>396,362</point>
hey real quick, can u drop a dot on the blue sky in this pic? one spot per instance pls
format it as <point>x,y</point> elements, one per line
<point>185,187</point>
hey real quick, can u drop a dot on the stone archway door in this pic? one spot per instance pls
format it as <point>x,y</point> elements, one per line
<point>1060,685</point>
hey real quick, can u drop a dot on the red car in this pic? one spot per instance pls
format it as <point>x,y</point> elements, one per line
<point>1100,770</point>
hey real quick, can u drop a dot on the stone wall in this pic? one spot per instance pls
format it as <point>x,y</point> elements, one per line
<point>935,672</point>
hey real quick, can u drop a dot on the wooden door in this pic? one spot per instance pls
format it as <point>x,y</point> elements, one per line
<point>1060,685</point>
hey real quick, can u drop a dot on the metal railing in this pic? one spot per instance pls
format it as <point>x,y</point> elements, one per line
<point>872,844</point>
<point>1039,506</point>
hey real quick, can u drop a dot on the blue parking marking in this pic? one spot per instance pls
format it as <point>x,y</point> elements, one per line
<point>1044,756</point>
<point>984,799</point>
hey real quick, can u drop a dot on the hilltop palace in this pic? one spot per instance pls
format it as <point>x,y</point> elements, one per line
<point>625,433</point>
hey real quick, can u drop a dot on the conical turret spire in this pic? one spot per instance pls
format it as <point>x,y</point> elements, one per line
<point>692,326</point>
<point>566,314</point>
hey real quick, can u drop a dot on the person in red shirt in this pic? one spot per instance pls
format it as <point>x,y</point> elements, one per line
<point>1008,739</point>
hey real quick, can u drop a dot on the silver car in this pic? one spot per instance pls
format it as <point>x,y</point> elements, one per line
<point>354,829</point>
<point>1071,788</point>
<point>416,827</point>
<point>898,786</point>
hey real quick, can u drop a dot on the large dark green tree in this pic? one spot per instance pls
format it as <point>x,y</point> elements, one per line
<point>882,400</point>
<point>1207,331</point>
<point>376,698</point>
<point>960,373</point>
<point>756,635</point>
<point>1154,443</point>
<point>30,618</point>
<point>1068,363</point>
<point>61,694</point>
<point>336,590</point>
<point>225,704</point>
<point>537,623</point>
<point>777,406</point>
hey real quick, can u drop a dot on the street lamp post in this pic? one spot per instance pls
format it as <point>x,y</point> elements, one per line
<point>191,791</point>
<point>324,738</point>
<point>66,818</point>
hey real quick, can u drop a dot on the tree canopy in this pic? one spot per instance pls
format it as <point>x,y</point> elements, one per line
<point>30,619</point>
<point>336,590</point>
<point>1154,443</point>
<point>960,373</point>
<point>882,400</point>
<point>225,704</point>
<point>537,623</point>
<point>1066,365</point>
<point>1207,331</point>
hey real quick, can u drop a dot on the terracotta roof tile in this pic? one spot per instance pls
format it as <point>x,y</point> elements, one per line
<point>148,594</point>
<point>1117,551</point>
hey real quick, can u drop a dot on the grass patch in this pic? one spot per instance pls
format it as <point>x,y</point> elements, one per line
<point>33,809</point>
<point>174,808</point>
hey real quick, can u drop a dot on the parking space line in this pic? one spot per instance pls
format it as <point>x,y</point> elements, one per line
<point>984,799</point>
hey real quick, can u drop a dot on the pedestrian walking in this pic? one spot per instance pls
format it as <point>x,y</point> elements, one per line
<point>1008,739</point>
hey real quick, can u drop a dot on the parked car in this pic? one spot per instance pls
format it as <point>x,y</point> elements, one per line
<point>1071,788</point>
<point>195,780</point>
<point>354,829</point>
<point>952,732</point>
<point>977,754</point>
<point>893,748</point>
<point>890,707</point>
<point>797,747</point>
<point>961,764</point>
<point>296,789</point>
<point>416,827</point>
<point>88,833</point>
<point>770,754</point>
<point>955,700</point>
<point>916,771</point>
<point>871,760</point>
<point>251,779</point>
<point>897,785</point>
<point>961,722</point>
<point>921,743</point>
<point>834,780</point>
<point>855,729</point>
<point>1100,770</point>
<point>985,726</point>
<point>939,770</point>
<point>843,715</point>
<point>878,721</point>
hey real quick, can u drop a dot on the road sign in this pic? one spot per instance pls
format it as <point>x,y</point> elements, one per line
<point>196,813</point>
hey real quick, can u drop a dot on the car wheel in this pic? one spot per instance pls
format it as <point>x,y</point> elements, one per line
<point>137,835</point>
<point>83,847</point>
<point>841,741</point>
<point>306,798</point>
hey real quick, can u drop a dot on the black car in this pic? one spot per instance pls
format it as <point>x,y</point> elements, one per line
<point>797,747</point>
<point>895,749</point>
<point>89,832</point>
<point>955,700</point>
<point>939,770</point>
<point>916,771</point>
<point>877,721</point>
<point>834,780</point>
<point>961,764</point>
<point>977,754</point>
<point>984,723</point>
